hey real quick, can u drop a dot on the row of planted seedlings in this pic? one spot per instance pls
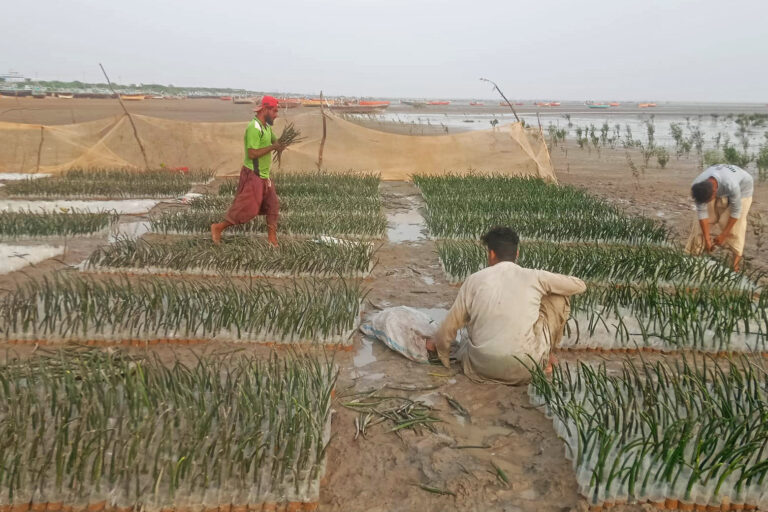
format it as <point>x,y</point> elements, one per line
<point>311,204</point>
<point>94,430</point>
<point>302,310</point>
<point>467,206</point>
<point>601,263</point>
<point>31,224</point>
<point>109,184</point>
<point>120,310</point>
<point>688,435</point>
<point>236,256</point>
<point>634,316</point>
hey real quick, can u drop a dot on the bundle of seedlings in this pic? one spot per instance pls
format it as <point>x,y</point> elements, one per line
<point>15,225</point>
<point>685,435</point>
<point>382,406</point>
<point>602,263</point>
<point>106,311</point>
<point>337,202</point>
<point>236,255</point>
<point>108,431</point>
<point>108,184</point>
<point>291,135</point>
<point>312,223</point>
<point>577,227</point>
<point>628,316</point>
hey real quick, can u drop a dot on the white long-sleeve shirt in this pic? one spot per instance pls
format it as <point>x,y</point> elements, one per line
<point>500,307</point>
<point>732,182</point>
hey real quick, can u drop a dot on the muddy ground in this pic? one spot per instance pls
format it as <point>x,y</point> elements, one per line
<point>383,471</point>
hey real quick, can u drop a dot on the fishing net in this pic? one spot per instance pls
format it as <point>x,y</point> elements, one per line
<point>110,142</point>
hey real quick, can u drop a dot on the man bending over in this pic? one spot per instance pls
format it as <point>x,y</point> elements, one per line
<point>723,195</point>
<point>510,312</point>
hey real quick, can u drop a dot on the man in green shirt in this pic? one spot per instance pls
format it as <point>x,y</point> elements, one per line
<point>255,191</point>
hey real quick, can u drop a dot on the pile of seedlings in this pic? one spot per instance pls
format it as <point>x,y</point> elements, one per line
<point>161,310</point>
<point>87,429</point>
<point>337,204</point>
<point>109,184</point>
<point>15,225</point>
<point>629,316</point>
<point>688,435</point>
<point>236,255</point>
<point>599,263</point>
<point>467,206</point>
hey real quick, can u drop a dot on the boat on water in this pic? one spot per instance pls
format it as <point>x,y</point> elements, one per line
<point>614,104</point>
<point>414,103</point>
<point>598,105</point>
<point>554,103</point>
<point>316,102</point>
<point>357,108</point>
<point>132,97</point>
<point>439,103</point>
<point>476,104</point>
<point>65,95</point>
<point>241,100</point>
<point>288,102</point>
<point>645,105</point>
<point>373,103</point>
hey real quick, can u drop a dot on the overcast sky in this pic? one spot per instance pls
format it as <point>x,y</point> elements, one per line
<point>706,50</point>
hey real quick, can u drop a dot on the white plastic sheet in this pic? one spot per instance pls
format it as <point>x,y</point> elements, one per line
<point>14,257</point>
<point>402,329</point>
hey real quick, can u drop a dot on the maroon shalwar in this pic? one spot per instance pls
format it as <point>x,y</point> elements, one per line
<point>254,196</point>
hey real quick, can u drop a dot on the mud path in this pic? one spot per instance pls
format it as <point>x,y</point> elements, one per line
<point>382,472</point>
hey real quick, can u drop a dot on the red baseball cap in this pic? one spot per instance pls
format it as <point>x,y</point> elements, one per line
<point>267,101</point>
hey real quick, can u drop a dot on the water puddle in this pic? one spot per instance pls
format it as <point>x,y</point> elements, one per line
<point>405,227</point>
<point>132,230</point>
<point>364,356</point>
<point>14,257</point>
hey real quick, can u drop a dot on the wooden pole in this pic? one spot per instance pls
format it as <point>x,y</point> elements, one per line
<point>135,132</point>
<point>502,95</point>
<point>322,141</point>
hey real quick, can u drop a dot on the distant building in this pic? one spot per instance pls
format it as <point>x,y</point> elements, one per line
<point>13,77</point>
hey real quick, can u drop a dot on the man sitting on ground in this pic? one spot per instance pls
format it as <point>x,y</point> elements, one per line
<point>514,315</point>
<point>723,195</point>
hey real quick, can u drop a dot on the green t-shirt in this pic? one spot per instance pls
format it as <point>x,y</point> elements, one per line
<point>258,136</point>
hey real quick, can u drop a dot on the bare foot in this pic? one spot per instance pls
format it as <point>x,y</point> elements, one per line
<point>216,230</point>
<point>550,363</point>
<point>431,345</point>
